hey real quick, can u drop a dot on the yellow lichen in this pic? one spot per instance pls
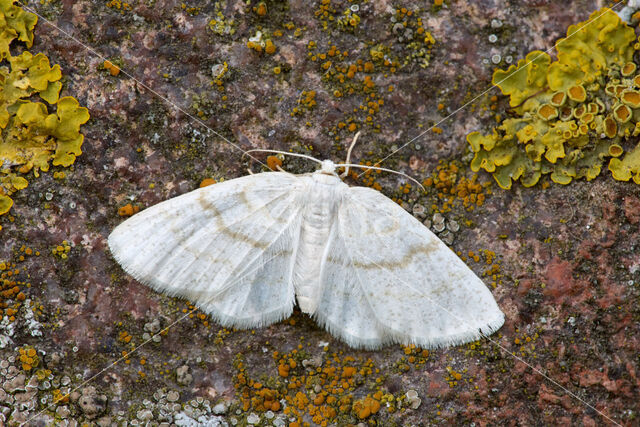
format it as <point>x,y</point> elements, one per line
<point>206,182</point>
<point>547,112</point>
<point>525,79</point>
<point>129,209</point>
<point>15,23</point>
<point>577,93</point>
<point>34,134</point>
<point>113,69</point>
<point>628,167</point>
<point>274,162</point>
<point>328,388</point>
<point>453,187</point>
<point>570,114</point>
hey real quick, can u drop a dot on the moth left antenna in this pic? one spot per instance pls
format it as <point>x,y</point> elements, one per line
<point>286,153</point>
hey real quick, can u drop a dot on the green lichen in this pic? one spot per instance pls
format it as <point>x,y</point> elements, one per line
<point>570,115</point>
<point>34,134</point>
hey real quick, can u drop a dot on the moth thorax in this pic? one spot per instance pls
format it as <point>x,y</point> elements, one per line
<point>328,167</point>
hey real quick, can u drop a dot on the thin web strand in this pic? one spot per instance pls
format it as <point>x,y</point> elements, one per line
<point>148,88</point>
<point>465,105</point>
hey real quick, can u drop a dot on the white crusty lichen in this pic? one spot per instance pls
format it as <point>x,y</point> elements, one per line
<point>627,12</point>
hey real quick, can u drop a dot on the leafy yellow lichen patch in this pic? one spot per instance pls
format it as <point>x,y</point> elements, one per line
<point>570,114</point>
<point>525,79</point>
<point>5,204</point>
<point>628,167</point>
<point>15,23</point>
<point>35,134</point>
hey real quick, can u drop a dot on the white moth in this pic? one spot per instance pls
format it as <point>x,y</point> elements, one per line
<point>246,250</point>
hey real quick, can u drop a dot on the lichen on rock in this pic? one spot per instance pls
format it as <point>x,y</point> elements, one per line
<point>38,127</point>
<point>571,114</point>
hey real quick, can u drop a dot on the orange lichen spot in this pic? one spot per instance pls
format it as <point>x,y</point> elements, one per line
<point>58,396</point>
<point>547,112</point>
<point>260,9</point>
<point>558,99</point>
<point>628,69</point>
<point>207,182</point>
<point>269,47</point>
<point>274,162</point>
<point>128,210</point>
<point>622,113</point>
<point>577,93</point>
<point>610,127</point>
<point>124,337</point>
<point>283,370</point>
<point>348,371</point>
<point>28,358</point>
<point>587,118</point>
<point>437,130</point>
<point>366,407</point>
<point>254,45</point>
<point>615,150</point>
<point>631,97</point>
<point>113,69</point>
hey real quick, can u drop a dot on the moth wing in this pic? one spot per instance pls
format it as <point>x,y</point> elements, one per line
<point>387,278</point>
<point>226,247</point>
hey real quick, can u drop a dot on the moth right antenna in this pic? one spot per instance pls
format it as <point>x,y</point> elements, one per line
<point>346,171</point>
<point>382,169</point>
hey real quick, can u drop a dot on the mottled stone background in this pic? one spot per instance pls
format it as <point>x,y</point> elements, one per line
<point>569,262</point>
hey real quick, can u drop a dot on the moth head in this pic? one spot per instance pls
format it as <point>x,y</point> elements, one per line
<point>328,167</point>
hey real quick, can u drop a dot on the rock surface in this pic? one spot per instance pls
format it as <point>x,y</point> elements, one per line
<point>563,262</point>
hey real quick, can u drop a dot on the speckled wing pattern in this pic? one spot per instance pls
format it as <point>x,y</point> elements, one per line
<point>387,278</point>
<point>227,247</point>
